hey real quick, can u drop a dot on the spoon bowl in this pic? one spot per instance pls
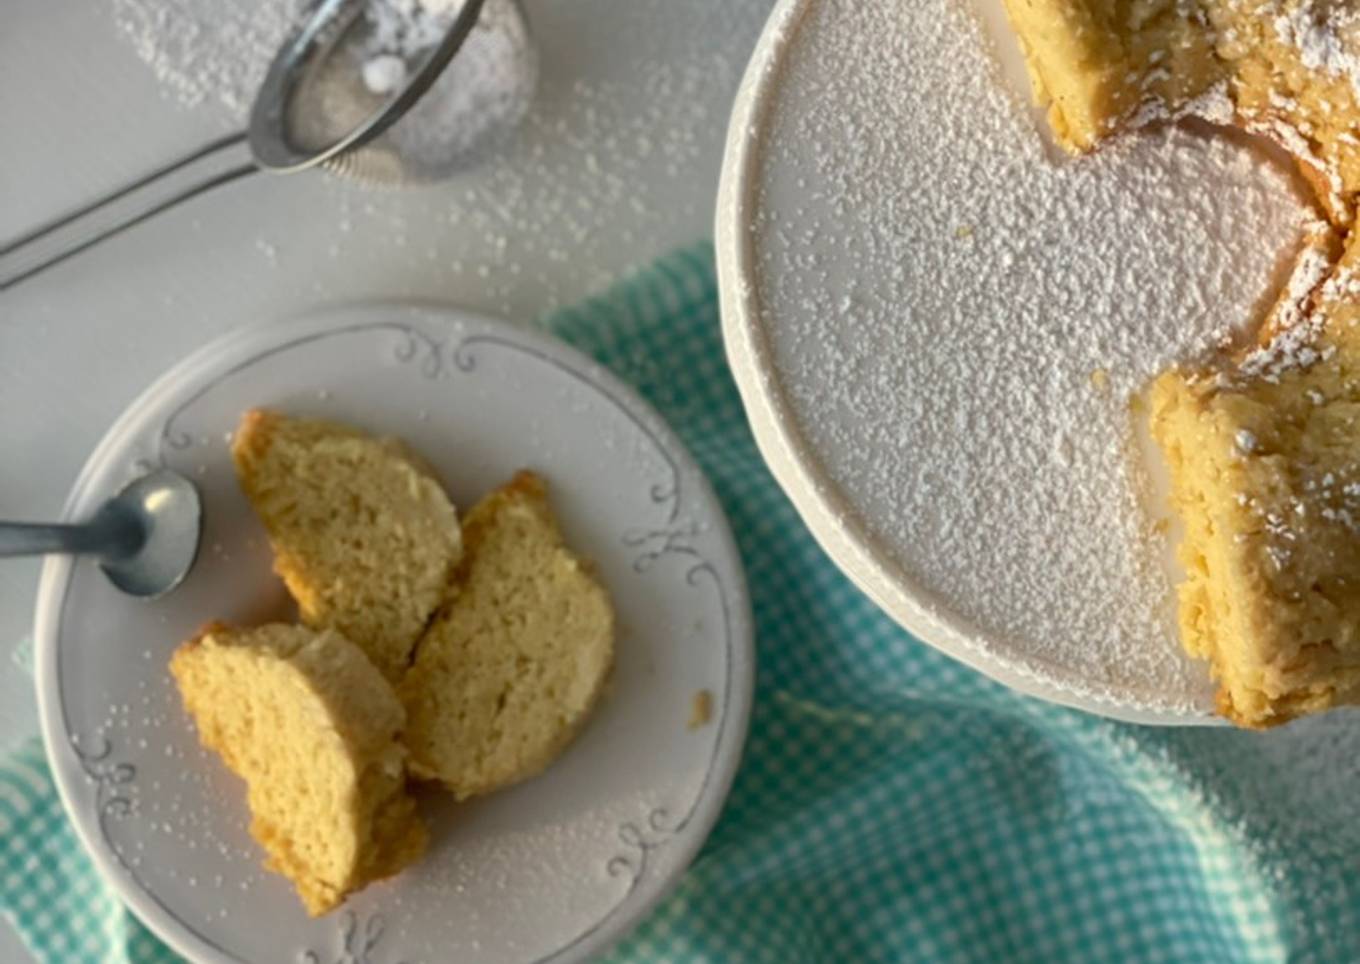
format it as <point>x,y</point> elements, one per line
<point>146,537</point>
<point>166,509</point>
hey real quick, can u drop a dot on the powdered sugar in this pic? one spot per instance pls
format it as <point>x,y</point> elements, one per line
<point>206,53</point>
<point>480,97</point>
<point>1295,346</point>
<point>408,27</point>
<point>1213,106</point>
<point>384,73</point>
<point>1315,29</point>
<point>960,325</point>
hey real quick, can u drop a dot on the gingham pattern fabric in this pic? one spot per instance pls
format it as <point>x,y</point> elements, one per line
<point>49,889</point>
<point>892,805</point>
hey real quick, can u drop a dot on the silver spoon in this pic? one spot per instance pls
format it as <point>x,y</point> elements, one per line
<point>146,536</point>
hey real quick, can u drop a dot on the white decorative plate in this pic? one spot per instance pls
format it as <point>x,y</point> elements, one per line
<point>936,323</point>
<point>552,870</point>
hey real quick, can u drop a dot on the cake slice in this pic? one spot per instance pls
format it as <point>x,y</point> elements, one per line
<point>1096,65</point>
<point>363,535</point>
<point>311,726</point>
<point>512,667</point>
<point>1279,68</point>
<point>1264,460</point>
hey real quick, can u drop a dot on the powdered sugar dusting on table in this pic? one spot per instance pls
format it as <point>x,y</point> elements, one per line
<point>565,190</point>
<point>960,322</point>
<point>206,53</point>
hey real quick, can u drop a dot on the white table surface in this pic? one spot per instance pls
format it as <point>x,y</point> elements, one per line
<point>617,164</point>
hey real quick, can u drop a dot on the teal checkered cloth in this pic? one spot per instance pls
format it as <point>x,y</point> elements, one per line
<point>893,805</point>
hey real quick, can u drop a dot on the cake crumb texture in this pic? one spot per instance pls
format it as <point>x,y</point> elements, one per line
<point>513,665</point>
<point>700,709</point>
<point>311,726</point>
<point>364,536</point>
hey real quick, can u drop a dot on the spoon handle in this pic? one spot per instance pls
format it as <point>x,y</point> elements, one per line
<point>37,539</point>
<point>113,533</point>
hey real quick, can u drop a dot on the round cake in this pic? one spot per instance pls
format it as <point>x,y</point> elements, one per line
<point>1260,440</point>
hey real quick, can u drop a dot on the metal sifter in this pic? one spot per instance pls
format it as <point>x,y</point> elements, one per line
<point>278,135</point>
<point>312,109</point>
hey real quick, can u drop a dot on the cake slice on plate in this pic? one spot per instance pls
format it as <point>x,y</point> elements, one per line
<point>514,664</point>
<point>311,726</point>
<point>363,534</point>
